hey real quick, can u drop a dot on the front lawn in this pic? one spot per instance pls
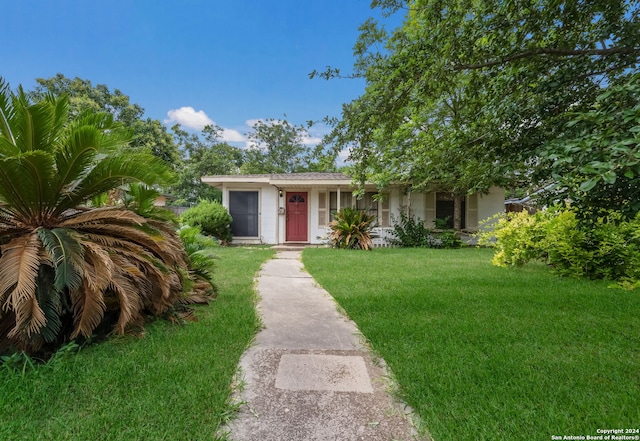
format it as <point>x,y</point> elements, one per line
<point>172,384</point>
<point>487,353</point>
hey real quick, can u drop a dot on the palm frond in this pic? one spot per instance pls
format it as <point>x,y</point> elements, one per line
<point>117,170</point>
<point>7,112</point>
<point>75,157</point>
<point>128,301</point>
<point>67,255</point>
<point>51,302</point>
<point>101,215</point>
<point>88,309</point>
<point>99,267</point>
<point>25,183</point>
<point>19,266</point>
<point>351,228</point>
<point>36,123</point>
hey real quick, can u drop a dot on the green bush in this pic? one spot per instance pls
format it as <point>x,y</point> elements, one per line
<point>351,229</point>
<point>607,247</point>
<point>212,218</point>
<point>410,232</point>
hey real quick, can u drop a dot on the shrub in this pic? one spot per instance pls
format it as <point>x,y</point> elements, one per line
<point>604,248</point>
<point>410,232</point>
<point>212,218</point>
<point>351,229</point>
<point>447,239</point>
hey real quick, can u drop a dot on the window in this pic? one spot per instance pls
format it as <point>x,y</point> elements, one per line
<point>243,208</point>
<point>445,207</point>
<point>345,201</point>
<point>379,209</point>
<point>322,209</point>
<point>368,204</point>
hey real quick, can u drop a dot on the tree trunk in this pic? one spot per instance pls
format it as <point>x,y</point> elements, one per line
<point>457,212</point>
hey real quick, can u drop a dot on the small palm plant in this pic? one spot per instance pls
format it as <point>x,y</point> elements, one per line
<point>351,229</point>
<point>63,265</point>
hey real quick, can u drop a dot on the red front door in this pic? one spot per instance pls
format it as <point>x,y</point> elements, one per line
<point>296,217</point>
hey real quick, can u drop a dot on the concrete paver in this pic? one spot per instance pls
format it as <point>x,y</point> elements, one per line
<point>308,376</point>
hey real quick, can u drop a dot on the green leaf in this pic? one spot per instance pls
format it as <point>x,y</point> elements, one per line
<point>609,177</point>
<point>588,185</point>
<point>67,255</point>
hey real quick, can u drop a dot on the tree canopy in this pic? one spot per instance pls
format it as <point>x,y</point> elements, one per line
<point>203,154</point>
<point>149,135</point>
<point>277,146</point>
<point>474,93</point>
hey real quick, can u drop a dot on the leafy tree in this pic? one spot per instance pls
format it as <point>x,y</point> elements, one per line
<point>204,155</point>
<point>65,267</point>
<point>279,147</point>
<point>148,134</point>
<point>597,164</point>
<point>472,92</point>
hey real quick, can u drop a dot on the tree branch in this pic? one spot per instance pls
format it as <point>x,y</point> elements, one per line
<point>549,51</point>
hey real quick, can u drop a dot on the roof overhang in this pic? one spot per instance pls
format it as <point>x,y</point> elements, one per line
<point>282,179</point>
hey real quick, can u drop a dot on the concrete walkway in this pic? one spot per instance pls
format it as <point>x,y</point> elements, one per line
<point>308,377</point>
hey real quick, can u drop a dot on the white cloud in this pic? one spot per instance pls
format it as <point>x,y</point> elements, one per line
<point>343,156</point>
<point>311,140</point>
<point>230,135</point>
<point>252,122</point>
<point>187,116</point>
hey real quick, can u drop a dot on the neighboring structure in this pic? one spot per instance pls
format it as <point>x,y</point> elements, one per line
<point>297,207</point>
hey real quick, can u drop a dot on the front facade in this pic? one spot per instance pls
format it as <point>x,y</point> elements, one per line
<point>297,207</point>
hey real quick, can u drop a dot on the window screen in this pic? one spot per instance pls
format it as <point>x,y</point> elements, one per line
<point>243,207</point>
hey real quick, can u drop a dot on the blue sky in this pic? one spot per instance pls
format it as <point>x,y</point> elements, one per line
<point>192,61</point>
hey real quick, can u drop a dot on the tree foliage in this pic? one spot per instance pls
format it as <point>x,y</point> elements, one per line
<point>470,93</point>
<point>203,155</point>
<point>277,146</point>
<point>149,135</point>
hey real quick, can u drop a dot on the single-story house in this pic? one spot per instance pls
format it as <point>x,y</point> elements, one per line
<point>297,207</point>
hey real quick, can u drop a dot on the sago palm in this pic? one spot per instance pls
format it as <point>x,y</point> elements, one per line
<point>351,229</point>
<point>64,265</point>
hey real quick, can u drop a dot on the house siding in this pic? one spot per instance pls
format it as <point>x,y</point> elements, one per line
<point>269,215</point>
<point>490,204</point>
<point>272,218</point>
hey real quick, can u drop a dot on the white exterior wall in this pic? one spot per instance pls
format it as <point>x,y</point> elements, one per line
<point>490,204</point>
<point>316,232</point>
<point>271,223</point>
<point>268,215</point>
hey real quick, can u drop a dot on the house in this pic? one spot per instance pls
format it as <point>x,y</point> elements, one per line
<point>297,207</point>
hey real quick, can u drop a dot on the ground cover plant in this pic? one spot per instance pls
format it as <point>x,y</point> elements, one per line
<point>486,353</point>
<point>172,384</point>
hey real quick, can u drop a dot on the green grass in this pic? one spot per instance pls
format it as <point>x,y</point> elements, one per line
<point>172,384</point>
<point>487,353</point>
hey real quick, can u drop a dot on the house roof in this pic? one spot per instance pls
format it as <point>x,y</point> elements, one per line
<point>281,179</point>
